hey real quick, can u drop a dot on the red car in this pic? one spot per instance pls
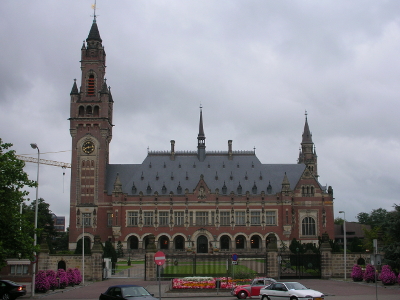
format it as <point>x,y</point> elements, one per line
<point>253,289</point>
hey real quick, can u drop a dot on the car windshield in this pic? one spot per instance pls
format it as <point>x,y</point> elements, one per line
<point>295,286</point>
<point>134,291</point>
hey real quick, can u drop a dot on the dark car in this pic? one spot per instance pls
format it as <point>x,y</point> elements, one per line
<point>130,291</point>
<point>11,290</point>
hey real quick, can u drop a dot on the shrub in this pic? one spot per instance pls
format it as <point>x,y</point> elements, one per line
<point>369,274</point>
<point>387,275</point>
<point>62,275</point>
<point>357,273</point>
<point>78,276</point>
<point>71,275</point>
<point>52,278</point>
<point>41,282</point>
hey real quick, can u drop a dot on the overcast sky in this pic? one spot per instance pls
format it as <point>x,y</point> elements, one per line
<point>254,66</point>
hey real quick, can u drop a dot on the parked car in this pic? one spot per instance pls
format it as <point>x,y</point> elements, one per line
<point>11,290</point>
<point>130,291</point>
<point>289,290</point>
<point>253,289</point>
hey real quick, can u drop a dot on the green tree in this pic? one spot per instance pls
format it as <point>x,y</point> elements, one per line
<point>109,251</point>
<point>16,236</point>
<point>339,221</point>
<point>377,218</point>
<point>87,248</point>
<point>120,250</point>
<point>45,220</point>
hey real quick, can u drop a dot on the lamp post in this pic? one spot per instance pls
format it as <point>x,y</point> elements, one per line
<point>35,146</point>
<point>345,240</point>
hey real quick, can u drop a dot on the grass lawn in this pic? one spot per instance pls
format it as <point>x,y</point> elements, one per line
<point>203,269</point>
<point>123,265</point>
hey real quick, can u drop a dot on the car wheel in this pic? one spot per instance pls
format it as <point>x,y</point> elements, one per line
<point>265,298</point>
<point>6,296</point>
<point>242,295</point>
<point>293,298</point>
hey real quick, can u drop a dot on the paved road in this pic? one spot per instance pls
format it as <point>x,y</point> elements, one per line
<point>333,289</point>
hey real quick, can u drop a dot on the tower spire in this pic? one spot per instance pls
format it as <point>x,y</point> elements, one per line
<point>307,153</point>
<point>201,138</point>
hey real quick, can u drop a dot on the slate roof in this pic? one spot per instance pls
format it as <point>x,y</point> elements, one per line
<point>158,171</point>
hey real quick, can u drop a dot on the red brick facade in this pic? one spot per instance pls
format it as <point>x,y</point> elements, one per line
<point>191,201</point>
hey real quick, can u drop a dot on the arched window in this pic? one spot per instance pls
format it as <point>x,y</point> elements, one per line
<point>308,226</point>
<point>96,111</point>
<point>81,111</point>
<point>89,110</point>
<point>133,242</point>
<point>225,242</point>
<point>240,242</point>
<point>91,85</point>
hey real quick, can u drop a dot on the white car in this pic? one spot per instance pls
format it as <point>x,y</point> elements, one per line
<point>289,291</point>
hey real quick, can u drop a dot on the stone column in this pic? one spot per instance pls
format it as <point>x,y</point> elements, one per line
<point>272,256</point>
<point>151,267</point>
<point>326,257</point>
<point>97,259</point>
<point>43,255</point>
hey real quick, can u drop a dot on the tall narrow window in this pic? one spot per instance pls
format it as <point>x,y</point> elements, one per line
<point>225,218</point>
<point>270,217</point>
<point>91,85</point>
<point>308,226</point>
<point>132,218</point>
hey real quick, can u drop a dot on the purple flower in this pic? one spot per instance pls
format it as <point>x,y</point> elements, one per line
<point>41,282</point>
<point>357,273</point>
<point>52,278</point>
<point>369,274</point>
<point>387,275</point>
<point>62,275</point>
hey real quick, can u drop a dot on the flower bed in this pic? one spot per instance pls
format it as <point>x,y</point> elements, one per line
<point>206,282</point>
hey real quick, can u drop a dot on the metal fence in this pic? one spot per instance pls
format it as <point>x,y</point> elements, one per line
<point>299,265</point>
<point>215,265</point>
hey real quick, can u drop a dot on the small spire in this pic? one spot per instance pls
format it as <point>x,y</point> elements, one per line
<point>74,90</point>
<point>201,129</point>
<point>307,136</point>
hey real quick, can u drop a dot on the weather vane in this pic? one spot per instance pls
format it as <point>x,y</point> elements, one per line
<point>94,10</point>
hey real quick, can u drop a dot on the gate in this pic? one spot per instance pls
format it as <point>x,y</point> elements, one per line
<point>299,265</point>
<point>214,265</point>
<point>136,270</point>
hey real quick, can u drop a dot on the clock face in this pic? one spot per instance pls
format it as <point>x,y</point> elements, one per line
<point>88,147</point>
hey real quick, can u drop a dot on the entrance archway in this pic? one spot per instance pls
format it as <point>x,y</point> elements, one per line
<point>240,242</point>
<point>255,242</point>
<point>202,244</point>
<point>133,242</point>
<point>164,242</point>
<point>179,242</point>
<point>62,265</point>
<point>225,242</point>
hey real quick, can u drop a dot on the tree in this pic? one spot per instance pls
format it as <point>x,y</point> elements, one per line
<point>45,220</point>
<point>87,248</point>
<point>377,218</point>
<point>339,221</point>
<point>120,250</point>
<point>16,236</point>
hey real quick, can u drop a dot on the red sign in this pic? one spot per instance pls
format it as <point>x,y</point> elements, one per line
<point>159,258</point>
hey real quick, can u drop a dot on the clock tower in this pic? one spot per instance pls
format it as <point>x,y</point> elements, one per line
<point>91,132</point>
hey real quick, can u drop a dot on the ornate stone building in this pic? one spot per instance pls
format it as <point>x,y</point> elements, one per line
<point>191,200</point>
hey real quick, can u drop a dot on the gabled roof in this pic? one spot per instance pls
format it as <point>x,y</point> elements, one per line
<point>158,171</point>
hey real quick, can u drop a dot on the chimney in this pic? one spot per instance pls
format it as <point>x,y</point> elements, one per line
<point>172,150</point>
<point>230,149</point>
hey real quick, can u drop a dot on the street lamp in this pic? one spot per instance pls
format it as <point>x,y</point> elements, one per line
<point>35,146</point>
<point>345,240</point>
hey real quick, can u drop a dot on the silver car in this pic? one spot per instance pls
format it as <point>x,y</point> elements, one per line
<point>289,291</point>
